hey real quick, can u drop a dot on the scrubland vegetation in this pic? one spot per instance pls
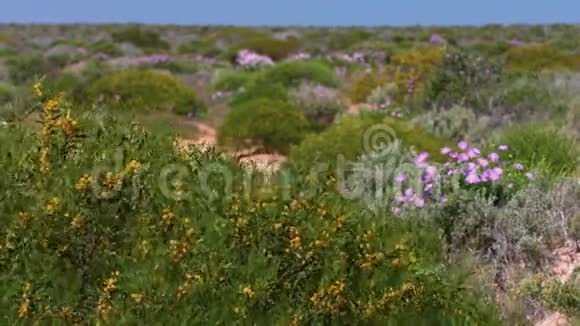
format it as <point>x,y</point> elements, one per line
<point>424,176</point>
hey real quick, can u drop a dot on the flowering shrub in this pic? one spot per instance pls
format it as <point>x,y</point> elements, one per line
<point>247,58</point>
<point>319,104</point>
<point>90,237</point>
<point>437,39</point>
<point>145,90</point>
<point>383,97</point>
<point>467,167</point>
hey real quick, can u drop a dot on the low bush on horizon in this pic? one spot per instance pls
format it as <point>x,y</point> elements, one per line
<point>145,90</point>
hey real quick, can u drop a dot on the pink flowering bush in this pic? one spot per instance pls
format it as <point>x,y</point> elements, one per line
<point>247,58</point>
<point>467,168</point>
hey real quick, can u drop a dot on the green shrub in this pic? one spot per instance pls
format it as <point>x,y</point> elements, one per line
<point>145,90</point>
<point>538,57</point>
<point>456,123</point>
<point>354,136</point>
<point>232,80</point>
<point>553,294</point>
<point>341,40</point>
<point>291,74</point>
<point>203,47</point>
<point>271,124</point>
<point>268,91</point>
<point>23,69</point>
<point>7,92</point>
<point>273,48</point>
<point>108,48</point>
<point>542,146</point>
<point>364,87</point>
<point>143,38</point>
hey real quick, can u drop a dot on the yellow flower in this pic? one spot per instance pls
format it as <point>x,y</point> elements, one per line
<point>84,183</point>
<point>53,205</point>
<point>37,89</point>
<point>23,309</point>
<point>137,297</point>
<point>77,222</point>
<point>167,216</point>
<point>133,166</point>
<point>247,291</point>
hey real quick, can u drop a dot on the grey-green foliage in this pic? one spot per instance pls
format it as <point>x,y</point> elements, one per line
<point>371,178</point>
<point>383,95</point>
<point>456,123</point>
<point>319,104</point>
<point>519,230</point>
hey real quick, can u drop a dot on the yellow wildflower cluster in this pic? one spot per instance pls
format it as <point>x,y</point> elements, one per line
<point>179,249</point>
<point>248,292</point>
<point>190,279</point>
<point>132,167</point>
<point>167,217</point>
<point>24,217</point>
<point>52,206</point>
<point>84,183</point>
<point>112,182</point>
<point>104,307</point>
<point>137,297</point>
<point>295,239</point>
<point>53,120</point>
<point>330,300</point>
<point>37,89</point>
<point>24,308</point>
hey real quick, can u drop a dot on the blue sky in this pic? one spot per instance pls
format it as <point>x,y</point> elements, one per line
<point>293,12</point>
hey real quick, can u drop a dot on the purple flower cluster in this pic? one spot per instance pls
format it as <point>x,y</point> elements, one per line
<point>467,163</point>
<point>248,58</point>
<point>143,60</point>
<point>437,39</point>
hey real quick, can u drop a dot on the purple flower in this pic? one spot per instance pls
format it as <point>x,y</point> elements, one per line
<point>462,145</point>
<point>396,210</point>
<point>491,175</point>
<point>472,178</point>
<point>437,39</point>
<point>421,159</point>
<point>419,202</point>
<point>401,178</point>
<point>401,199</point>
<point>451,172</point>
<point>494,157</point>
<point>530,176</point>
<point>462,158</point>
<point>503,147</point>
<point>518,166</point>
<point>482,162</point>
<point>431,170</point>
<point>453,155</point>
<point>248,58</point>
<point>473,152</point>
<point>409,192</point>
<point>443,199</point>
<point>445,150</point>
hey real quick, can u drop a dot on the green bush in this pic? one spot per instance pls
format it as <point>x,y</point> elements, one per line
<point>203,47</point>
<point>538,57</point>
<point>354,136</point>
<point>26,68</point>
<point>108,48</point>
<point>271,124</point>
<point>273,48</point>
<point>291,74</point>
<point>94,238</point>
<point>364,87</point>
<point>7,92</point>
<point>542,146</point>
<point>268,91</point>
<point>232,80</point>
<point>145,90</point>
<point>143,38</point>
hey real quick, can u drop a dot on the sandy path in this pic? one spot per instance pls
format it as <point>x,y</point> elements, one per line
<point>207,138</point>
